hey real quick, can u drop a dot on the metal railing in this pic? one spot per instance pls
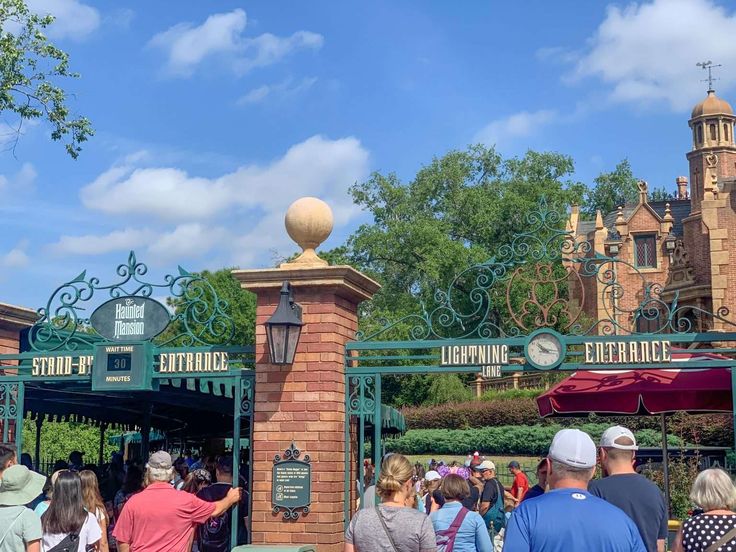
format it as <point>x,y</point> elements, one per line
<point>517,380</point>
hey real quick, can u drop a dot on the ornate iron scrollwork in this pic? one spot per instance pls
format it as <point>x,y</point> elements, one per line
<point>539,280</point>
<point>200,315</point>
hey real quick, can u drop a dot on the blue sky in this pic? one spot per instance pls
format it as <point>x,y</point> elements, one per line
<point>212,117</point>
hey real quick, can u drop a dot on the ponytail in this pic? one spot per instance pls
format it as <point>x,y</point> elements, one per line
<point>396,470</point>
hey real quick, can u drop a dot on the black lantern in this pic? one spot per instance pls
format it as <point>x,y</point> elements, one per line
<point>284,327</point>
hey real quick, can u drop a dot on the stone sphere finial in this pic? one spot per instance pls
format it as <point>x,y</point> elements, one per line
<point>308,222</point>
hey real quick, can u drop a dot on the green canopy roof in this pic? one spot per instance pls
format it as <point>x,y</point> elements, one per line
<point>392,420</point>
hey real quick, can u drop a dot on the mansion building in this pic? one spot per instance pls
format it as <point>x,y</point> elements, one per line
<point>681,252</point>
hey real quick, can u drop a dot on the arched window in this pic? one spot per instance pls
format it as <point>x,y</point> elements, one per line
<point>700,134</point>
<point>725,131</point>
<point>712,131</point>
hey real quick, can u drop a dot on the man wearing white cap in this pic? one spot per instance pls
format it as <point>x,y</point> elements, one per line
<point>568,518</point>
<point>641,499</point>
<point>433,499</point>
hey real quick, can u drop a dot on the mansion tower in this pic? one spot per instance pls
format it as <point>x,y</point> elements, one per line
<point>681,251</point>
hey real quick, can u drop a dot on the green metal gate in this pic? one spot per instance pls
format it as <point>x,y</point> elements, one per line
<point>524,310</point>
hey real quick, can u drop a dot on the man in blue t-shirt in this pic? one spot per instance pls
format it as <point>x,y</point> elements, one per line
<point>568,518</point>
<point>638,497</point>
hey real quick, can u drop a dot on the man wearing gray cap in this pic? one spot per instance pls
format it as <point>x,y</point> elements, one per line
<point>641,499</point>
<point>162,519</point>
<point>568,518</point>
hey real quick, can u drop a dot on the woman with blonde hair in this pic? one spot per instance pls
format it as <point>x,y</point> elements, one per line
<point>391,525</point>
<point>94,504</point>
<point>715,529</point>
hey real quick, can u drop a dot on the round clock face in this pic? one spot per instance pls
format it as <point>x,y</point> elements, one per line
<point>544,350</point>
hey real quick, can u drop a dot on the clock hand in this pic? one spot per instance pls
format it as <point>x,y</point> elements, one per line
<point>544,349</point>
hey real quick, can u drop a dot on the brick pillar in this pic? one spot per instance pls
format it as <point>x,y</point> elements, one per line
<point>305,402</point>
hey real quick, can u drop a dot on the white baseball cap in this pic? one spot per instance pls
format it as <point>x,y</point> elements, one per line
<point>609,437</point>
<point>573,448</point>
<point>432,475</point>
<point>485,465</point>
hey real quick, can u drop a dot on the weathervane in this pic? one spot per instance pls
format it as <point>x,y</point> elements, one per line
<point>709,66</point>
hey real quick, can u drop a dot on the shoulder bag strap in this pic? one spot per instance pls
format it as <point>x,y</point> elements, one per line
<point>5,534</point>
<point>454,528</point>
<point>459,518</point>
<point>385,528</point>
<point>723,540</point>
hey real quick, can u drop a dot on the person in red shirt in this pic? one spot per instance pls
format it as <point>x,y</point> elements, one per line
<point>162,519</point>
<point>521,483</point>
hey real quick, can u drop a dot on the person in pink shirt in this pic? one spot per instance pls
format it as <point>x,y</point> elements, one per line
<point>162,519</point>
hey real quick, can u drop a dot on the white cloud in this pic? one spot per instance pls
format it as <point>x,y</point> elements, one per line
<point>186,241</point>
<point>518,125</point>
<point>121,18</point>
<point>90,244</point>
<point>74,19</point>
<point>318,166</point>
<point>21,182</point>
<point>281,90</point>
<point>647,51</point>
<point>240,215</point>
<point>268,49</point>
<point>187,45</point>
<point>16,257</point>
<point>167,193</point>
<point>255,95</point>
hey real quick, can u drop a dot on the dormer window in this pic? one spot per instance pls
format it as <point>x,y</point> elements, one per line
<point>645,246</point>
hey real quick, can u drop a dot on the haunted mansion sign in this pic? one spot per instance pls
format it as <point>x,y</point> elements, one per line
<point>130,319</point>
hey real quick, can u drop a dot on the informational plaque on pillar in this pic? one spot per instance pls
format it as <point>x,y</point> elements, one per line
<point>291,491</point>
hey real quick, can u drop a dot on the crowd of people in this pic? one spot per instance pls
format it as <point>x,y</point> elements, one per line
<point>162,506</point>
<point>464,508</point>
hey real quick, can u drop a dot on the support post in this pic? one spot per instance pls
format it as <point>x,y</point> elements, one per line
<point>377,426</point>
<point>237,413</point>
<point>37,450</point>
<point>101,455</point>
<point>665,463</point>
<point>733,402</point>
<point>19,415</point>
<point>146,431</point>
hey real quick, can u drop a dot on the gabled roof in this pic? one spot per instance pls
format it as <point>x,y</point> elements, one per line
<point>680,209</point>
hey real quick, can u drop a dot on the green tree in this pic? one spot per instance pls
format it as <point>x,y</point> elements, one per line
<point>30,69</point>
<point>241,307</point>
<point>457,211</point>
<point>445,388</point>
<point>661,194</point>
<point>611,189</point>
<point>58,439</point>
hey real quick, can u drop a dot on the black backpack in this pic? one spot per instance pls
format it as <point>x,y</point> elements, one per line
<point>69,544</point>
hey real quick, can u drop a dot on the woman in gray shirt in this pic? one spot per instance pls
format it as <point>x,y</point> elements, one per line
<point>391,527</point>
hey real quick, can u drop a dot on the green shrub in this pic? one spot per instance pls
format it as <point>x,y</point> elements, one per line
<point>700,429</point>
<point>472,414</point>
<point>683,472</point>
<point>447,388</point>
<point>504,440</point>
<point>511,394</point>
